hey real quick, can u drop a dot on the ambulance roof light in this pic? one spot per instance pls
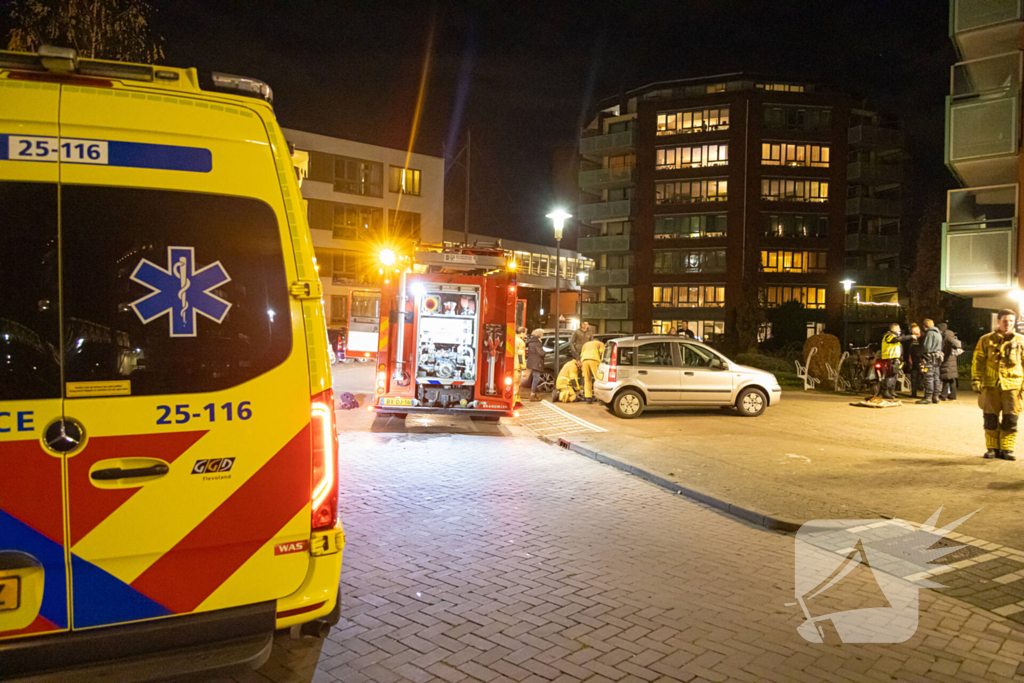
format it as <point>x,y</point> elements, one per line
<point>59,59</point>
<point>65,60</point>
<point>244,85</point>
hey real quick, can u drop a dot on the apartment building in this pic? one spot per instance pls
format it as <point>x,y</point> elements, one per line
<point>982,257</point>
<point>703,198</point>
<point>361,199</point>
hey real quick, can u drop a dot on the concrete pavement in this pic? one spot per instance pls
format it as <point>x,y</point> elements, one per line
<point>815,456</point>
<point>501,558</point>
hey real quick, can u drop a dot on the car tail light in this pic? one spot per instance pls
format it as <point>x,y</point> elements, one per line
<point>613,365</point>
<point>324,496</point>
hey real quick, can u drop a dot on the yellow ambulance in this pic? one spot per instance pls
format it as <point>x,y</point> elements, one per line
<point>168,447</point>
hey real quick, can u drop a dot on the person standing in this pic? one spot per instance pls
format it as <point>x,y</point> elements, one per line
<point>997,374</point>
<point>580,337</point>
<point>590,356</point>
<point>535,361</point>
<point>519,362</point>
<point>948,371</point>
<point>890,354</point>
<point>931,359</point>
<point>912,360</point>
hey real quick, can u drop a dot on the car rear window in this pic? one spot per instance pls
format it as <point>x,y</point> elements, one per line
<point>657,353</point>
<point>29,305</point>
<point>176,292</point>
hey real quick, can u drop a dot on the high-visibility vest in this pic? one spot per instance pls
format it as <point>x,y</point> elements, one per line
<point>891,348</point>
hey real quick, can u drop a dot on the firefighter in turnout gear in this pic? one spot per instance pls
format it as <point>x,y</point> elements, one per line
<point>890,355</point>
<point>997,374</point>
<point>590,357</point>
<point>568,383</point>
<point>520,361</point>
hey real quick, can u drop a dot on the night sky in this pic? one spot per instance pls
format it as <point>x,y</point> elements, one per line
<point>522,75</point>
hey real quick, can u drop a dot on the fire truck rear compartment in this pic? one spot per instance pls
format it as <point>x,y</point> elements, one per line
<point>444,397</point>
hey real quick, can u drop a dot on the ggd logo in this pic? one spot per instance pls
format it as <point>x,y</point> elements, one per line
<point>213,465</point>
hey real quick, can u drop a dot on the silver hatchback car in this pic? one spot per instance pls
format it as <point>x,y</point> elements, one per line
<point>659,371</point>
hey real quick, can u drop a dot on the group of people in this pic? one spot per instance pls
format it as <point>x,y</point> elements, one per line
<point>997,374</point>
<point>576,376</point>
<point>927,357</point>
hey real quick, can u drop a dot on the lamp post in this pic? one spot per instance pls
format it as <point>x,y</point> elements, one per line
<point>558,217</point>
<point>582,277</point>
<point>847,285</point>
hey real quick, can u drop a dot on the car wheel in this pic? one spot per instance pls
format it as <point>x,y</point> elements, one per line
<point>751,402</point>
<point>546,383</point>
<point>628,404</point>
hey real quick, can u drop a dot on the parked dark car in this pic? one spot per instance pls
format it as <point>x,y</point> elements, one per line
<point>547,380</point>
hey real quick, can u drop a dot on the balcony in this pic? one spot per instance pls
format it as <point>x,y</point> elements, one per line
<point>874,173</point>
<point>609,144</point>
<point>875,137</point>
<point>977,260</point>
<point>879,244</point>
<point>605,244</point>
<point>872,206</point>
<point>874,277</point>
<point>610,278</point>
<point>980,27</point>
<point>605,211</point>
<point>601,310</point>
<point>872,313</point>
<point>982,138</point>
<point>607,178</point>
<point>995,75</point>
<point>979,240</point>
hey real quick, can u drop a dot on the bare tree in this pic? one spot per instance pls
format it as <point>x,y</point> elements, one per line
<point>927,300</point>
<point>100,29</point>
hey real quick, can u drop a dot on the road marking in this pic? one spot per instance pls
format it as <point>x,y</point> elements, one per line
<point>577,420</point>
<point>547,419</point>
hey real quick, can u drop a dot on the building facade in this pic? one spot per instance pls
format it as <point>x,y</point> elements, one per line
<point>982,257</point>
<point>536,270</point>
<point>361,199</point>
<point>708,201</point>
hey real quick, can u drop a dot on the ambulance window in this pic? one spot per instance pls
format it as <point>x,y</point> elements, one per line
<point>29,307</point>
<point>176,292</point>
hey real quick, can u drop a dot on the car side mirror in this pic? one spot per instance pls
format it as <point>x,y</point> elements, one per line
<point>717,364</point>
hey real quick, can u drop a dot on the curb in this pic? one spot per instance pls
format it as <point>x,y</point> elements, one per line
<point>767,521</point>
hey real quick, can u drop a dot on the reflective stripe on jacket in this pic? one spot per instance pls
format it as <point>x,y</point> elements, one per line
<point>891,348</point>
<point>998,361</point>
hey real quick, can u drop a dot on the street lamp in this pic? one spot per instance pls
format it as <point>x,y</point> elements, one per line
<point>387,257</point>
<point>558,217</point>
<point>847,286</point>
<point>582,277</point>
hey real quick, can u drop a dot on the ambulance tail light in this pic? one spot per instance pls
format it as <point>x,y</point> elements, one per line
<point>613,365</point>
<point>324,497</point>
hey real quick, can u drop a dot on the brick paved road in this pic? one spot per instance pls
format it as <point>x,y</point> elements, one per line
<point>500,559</point>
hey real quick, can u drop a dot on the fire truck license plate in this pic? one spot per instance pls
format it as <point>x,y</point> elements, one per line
<point>396,402</point>
<point>9,593</point>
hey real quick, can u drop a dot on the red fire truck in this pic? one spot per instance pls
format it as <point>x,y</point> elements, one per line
<point>447,336</point>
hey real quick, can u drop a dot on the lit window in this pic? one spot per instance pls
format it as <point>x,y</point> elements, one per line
<point>405,180</point>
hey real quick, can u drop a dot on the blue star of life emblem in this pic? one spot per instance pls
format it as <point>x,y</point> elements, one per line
<point>180,291</point>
